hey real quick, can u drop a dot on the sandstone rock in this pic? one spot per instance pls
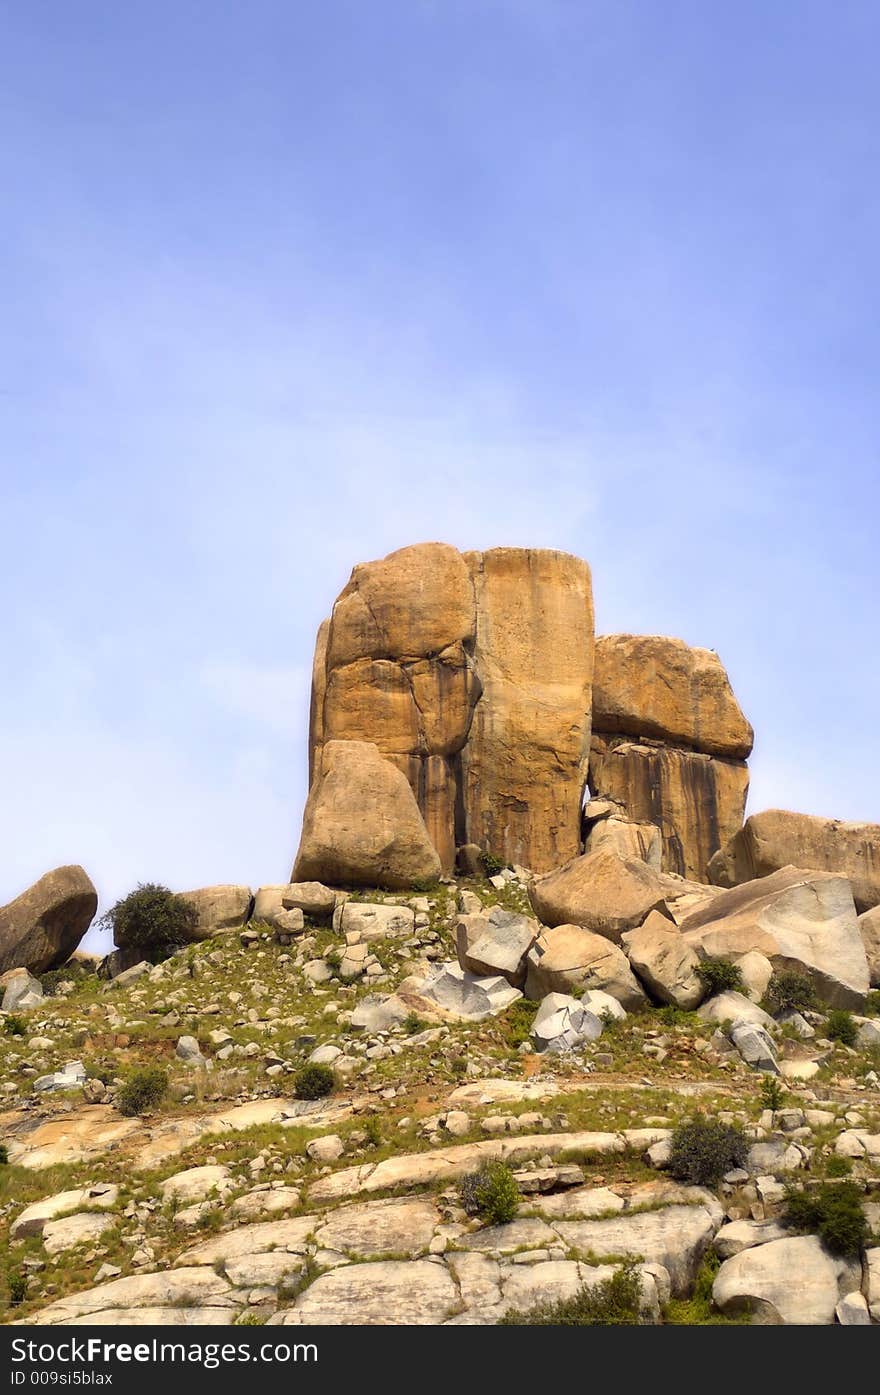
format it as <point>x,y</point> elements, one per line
<point>362,825</point>
<point>655,686</point>
<point>20,990</point>
<point>756,972</point>
<point>31,1221</point>
<point>643,841</point>
<point>82,1229</point>
<point>568,958</point>
<point>777,838</point>
<point>147,1298</point>
<point>524,766</point>
<point>852,1311</point>
<point>270,909</point>
<point>326,1149</point>
<point>389,1292</point>
<point>194,1184</point>
<point>496,943</point>
<point>798,920</point>
<point>600,891</point>
<point>665,962</point>
<point>254,1206</point>
<point>219,908</point>
<point>734,1007</point>
<point>697,801</point>
<point>869,929</point>
<point>367,921</point>
<point>562,1024</point>
<point>40,929</point>
<point>737,1236</point>
<point>367,1230</point>
<point>792,1281</point>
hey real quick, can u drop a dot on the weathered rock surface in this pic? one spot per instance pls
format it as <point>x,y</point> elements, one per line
<point>869,929</point>
<point>777,838</point>
<point>796,919</point>
<point>362,824</point>
<point>599,891</point>
<point>463,995</point>
<point>568,958</point>
<point>655,686</point>
<point>496,943</point>
<point>42,927</point>
<point>665,962</point>
<point>524,766</point>
<point>219,908</point>
<point>792,1281</point>
<point>696,800</point>
<point>20,990</point>
<point>33,1218</point>
<point>563,1024</point>
<point>676,1237</point>
<point>734,1007</point>
<point>627,839</point>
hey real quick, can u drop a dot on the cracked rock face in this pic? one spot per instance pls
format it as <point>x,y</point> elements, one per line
<point>40,929</point>
<point>471,673</point>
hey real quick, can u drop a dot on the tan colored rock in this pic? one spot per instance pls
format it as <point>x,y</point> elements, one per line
<point>369,1229</point>
<point>627,839</point>
<point>662,688</point>
<point>665,963</point>
<point>568,958</point>
<point>785,1282</point>
<point>362,826</point>
<point>84,1228</point>
<point>312,898</point>
<point>696,800</point>
<point>777,838</point>
<point>525,762</point>
<point>600,891</point>
<point>392,1292</point>
<point>316,703</point>
<point>42,927</point>
<point>869,929</point>
<point>219,908</point>
<point>798,920</point>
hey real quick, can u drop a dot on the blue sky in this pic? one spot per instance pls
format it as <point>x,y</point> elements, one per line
<point>288,285</point>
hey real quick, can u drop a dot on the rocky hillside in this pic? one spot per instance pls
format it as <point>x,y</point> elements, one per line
<point>539,1020</point>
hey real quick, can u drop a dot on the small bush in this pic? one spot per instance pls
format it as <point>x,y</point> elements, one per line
<point>412,1024</point>
<point>771,1093</point>
<point>151,918</point>
<point>458,1065</point>
<point>16,1282</point>
<point>491,864</point>
<point>720,976</point>
<point>517,1022</point>
<point>491,1194</point>
<point>703,1150</point>
<point>613,1302</point>
<point>142,1091</point>
<point>872,1003</point>
<point>14,1026</point>
<point>314,1081</point>
<point>838,1166</point>
<point>373,1130</point>
<point>4,1155</point>
<point>840,1026</point>
<point>833,1211</point>
<point>790,991</point>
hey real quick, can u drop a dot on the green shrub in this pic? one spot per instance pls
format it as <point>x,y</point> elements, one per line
<point>840,1026</point>
<point>720,976</point>
<point>151,918</point>
<point>833,1211</point>
<point>14,1025</point>
<point>458,1065</point>
<point>517,1022</point>
<point>613,1302</point>
<point>838,1166</point>
<point>4,1155</point>
<point>314,1081</point>
<point>491,864</point>
<point>790,991</point>
<point>16,1282</point>
<point>491,1193</point>
<point>142,1091</point>
<point>771,1093</point>
<point>373,1130</point>
<point>702,1150</point>
<point>413,1024</point>
<point>872,1003</point>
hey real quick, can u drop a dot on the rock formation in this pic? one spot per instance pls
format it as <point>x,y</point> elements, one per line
<point>40,929</point>
<point>471,673</point>
<point>669,744</point>
<point>777,838</point>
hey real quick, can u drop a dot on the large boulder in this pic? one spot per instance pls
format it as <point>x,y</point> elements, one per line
<point>777,838</point>
<point>869,929</point>
<point>40,929</point>
<point>496,943</point>
<point>665,962</point>
<point>627,839</point>
<point>791,1282</point>
<point>655,686</point>
<point>696,800</point>
<point>461,995</point>
<point>471,673</point>
<point>563,1024</point>
<point>600,891</point>
<point>219,908</point>
<point>569,959</point>
<point>362,825</point>
<point>524,765</point>
<point>796,919</point>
